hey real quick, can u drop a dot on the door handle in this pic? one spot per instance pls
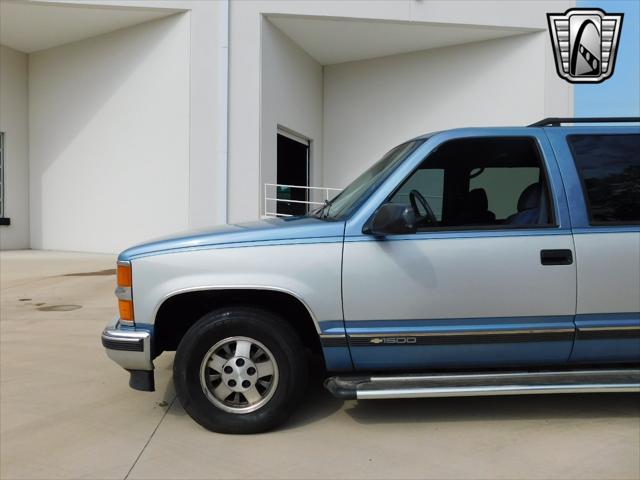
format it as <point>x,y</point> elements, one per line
<point>556,257</point>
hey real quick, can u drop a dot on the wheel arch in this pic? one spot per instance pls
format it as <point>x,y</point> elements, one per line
<point>190,305</point>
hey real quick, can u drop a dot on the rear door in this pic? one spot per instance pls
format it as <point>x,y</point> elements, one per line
<point>601,171</point>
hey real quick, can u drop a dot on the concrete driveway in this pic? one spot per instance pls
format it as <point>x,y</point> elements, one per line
<point>67,411</point>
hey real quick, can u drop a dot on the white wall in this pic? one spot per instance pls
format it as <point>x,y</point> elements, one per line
<point>207,149</point>
<point>62,148</point>
<point>245,79</point>
<point>291,93</point>
<point>109,138</point>
<point>372,105</point>
<point>14,124</point>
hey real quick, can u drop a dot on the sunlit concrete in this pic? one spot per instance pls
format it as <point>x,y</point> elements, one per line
<point>67,411</point>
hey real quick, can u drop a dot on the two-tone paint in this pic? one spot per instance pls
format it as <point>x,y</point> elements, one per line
<point>435,299</point>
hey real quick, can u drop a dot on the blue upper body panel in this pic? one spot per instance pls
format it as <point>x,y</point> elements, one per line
<point>552,144</point>
<point>272,230</point>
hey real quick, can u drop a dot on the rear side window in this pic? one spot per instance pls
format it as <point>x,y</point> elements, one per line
<point>609,168</point>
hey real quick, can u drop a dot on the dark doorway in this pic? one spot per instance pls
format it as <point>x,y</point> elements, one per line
<point>292,169</point>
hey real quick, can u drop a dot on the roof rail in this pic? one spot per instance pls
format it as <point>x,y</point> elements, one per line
<point>557,121</point>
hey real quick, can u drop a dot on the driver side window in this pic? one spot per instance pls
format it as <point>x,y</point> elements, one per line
<point>430,183</point>
<point>485,182</point>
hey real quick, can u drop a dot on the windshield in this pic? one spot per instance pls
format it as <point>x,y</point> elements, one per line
<point>358,190</point>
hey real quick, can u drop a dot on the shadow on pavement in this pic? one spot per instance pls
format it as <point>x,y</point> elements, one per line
<point>316,405</point>
<point>524,407</point>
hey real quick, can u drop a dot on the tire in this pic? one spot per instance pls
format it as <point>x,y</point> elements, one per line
<point>222,336</point>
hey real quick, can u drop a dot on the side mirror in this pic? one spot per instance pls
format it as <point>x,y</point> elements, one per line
<point>392,219</point>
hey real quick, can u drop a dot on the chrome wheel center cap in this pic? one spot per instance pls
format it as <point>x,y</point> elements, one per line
<point>239,374</point>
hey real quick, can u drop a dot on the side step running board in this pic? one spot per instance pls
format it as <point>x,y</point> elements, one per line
<point>479,384</point>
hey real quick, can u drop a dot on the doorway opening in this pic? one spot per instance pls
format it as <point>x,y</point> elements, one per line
<point>292,173</point>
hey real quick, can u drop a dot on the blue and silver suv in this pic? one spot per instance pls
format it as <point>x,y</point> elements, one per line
<point>480,261</point>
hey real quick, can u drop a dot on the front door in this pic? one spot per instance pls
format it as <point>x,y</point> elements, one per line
<point>488,280</point>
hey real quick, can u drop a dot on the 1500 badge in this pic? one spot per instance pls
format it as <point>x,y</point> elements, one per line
<point>393,340</point>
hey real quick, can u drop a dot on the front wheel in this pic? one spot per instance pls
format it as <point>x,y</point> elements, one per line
<point>240,370</point>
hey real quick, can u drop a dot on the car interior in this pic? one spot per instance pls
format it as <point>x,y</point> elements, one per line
<point>483,182</point>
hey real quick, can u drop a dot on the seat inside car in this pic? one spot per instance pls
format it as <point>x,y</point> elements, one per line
<point>531,210</point>
<point>475,209</point>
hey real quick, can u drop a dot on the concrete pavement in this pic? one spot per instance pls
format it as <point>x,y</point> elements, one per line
<point>66,411</point>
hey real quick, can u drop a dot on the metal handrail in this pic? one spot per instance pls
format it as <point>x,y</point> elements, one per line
<point>327,193</point>
<point>301,186</point>
<point>307,202</point>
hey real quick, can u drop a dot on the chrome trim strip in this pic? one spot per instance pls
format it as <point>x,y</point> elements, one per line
<point>459,340</point>
<point>121,340</point>
<point>507,375</point>
<point>494,390</point>
<point>461,333</point>
<point>508,383</point>
<point>125,335</point>
<point>611,328</point>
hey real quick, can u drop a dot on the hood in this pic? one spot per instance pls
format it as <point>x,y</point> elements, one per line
<point>281,230</point>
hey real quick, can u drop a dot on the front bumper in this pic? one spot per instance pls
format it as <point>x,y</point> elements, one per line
<point>131,349</point>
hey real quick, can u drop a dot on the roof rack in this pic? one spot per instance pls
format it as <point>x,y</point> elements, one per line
<point>557,121</point>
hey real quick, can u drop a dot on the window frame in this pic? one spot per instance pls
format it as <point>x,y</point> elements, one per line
<point>553,223</point>
<point>583,186</point>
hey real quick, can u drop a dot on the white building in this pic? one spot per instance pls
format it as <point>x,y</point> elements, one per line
<point>125,120</point>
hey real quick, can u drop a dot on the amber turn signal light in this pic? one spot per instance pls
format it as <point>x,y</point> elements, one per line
<point>124,275</point>
<point>126,310</point>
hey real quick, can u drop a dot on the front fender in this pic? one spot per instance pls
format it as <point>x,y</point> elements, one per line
<point>311,272</point>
